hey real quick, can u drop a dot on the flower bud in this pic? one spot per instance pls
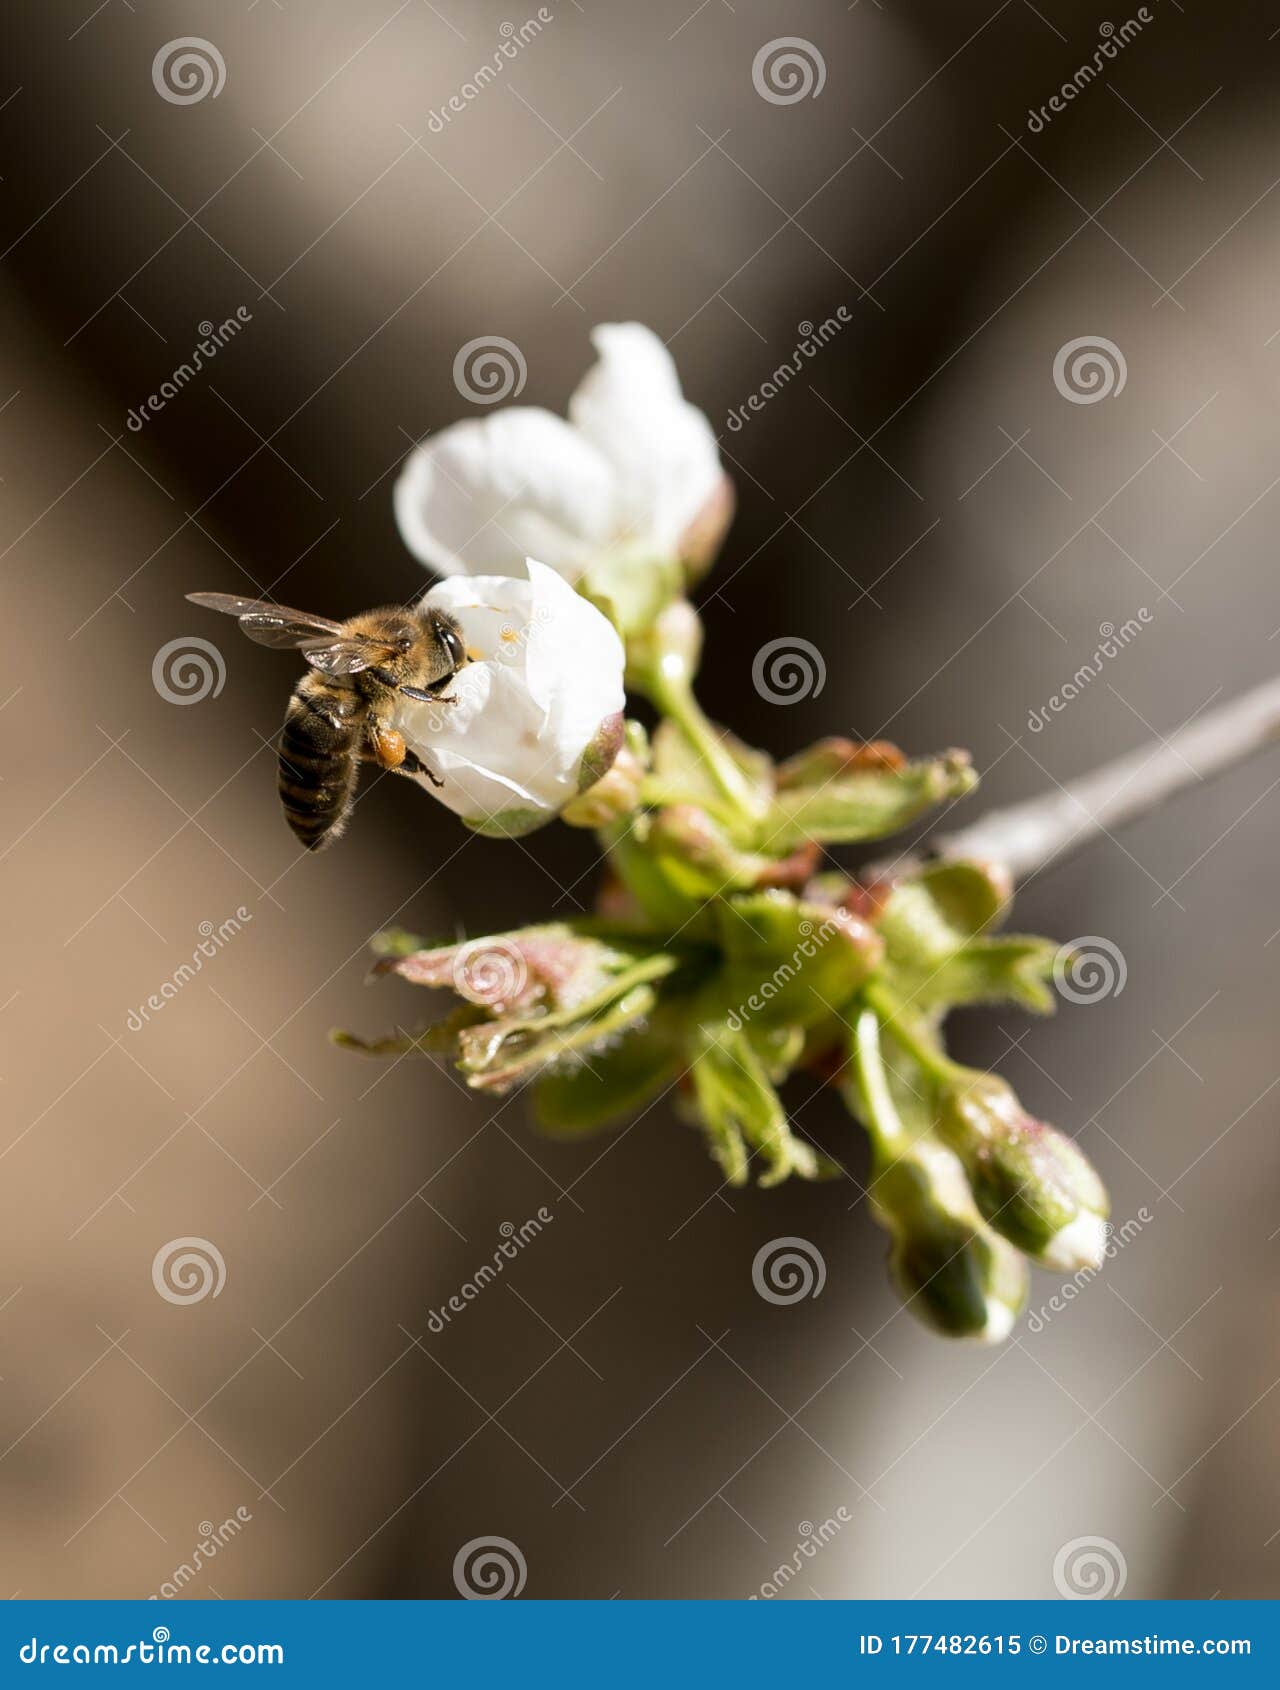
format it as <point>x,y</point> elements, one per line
<point>952,1272</point>
<point>701,541</point>
<point>536,714</point>
<point>1030,1182</point>
<point>611,798</point>
<point>667,648</point>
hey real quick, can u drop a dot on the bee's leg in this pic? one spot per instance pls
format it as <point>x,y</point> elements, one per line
<point>387,746</point>
<point>425,695</point>
<point>412,764</point>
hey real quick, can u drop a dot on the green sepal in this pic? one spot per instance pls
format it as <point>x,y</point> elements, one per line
<point>788,962</point>
<point>509,824</point>
<point>935,955</point>
<point>672,900</point>
<point>632,590</point>
<point>863,803</point>
<point>698,854</point>
<point>438,1040</point>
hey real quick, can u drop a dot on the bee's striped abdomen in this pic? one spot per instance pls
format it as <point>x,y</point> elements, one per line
<point>318,760</point>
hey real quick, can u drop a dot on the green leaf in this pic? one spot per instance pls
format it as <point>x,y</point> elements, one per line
<point>863,803</point>
<point>608,1085</point>
<point>396,941</point>
<point>739,1108</point>
<point>494,1056</point>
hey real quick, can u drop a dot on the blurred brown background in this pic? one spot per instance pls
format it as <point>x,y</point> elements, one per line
<point>924,505</point>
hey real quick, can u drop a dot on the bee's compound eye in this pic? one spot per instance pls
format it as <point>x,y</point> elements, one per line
<point>454,646</point>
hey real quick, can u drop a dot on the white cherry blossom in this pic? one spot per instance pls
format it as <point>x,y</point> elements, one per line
<point>536,716</point>
<point>634,472</point>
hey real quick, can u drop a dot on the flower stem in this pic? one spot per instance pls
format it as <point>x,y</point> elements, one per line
<point>884,1124</point>
<point>670,692</point>
<point>1027,837</point>
<point>659,794</point>
<point>903,1026</point>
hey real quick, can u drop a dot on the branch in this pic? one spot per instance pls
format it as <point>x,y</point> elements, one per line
<point>1027,837</point>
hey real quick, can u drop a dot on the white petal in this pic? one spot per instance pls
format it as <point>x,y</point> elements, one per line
<point>546,672</point>
<point>1000,1320</point>
<point>630,408</point>
<point>1082,1243</point>
<point>478,497</point>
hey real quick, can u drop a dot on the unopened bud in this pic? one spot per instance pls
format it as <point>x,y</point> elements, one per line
<point>1030,1182</point>
<point>615,795</point>
<point>953,1273</point>
<point>667,649</point>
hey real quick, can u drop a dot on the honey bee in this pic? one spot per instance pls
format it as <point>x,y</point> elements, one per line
<point>343,710</point>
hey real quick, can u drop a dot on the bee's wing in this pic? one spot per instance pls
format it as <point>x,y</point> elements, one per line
<point>346,656</point>
<point>268,624</point>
